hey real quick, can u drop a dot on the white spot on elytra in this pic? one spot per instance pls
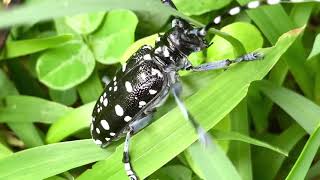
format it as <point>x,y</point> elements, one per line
<point>151,91</point>
<point>147,57</point>
<point>101,99</point>
<point>93,119</point>
<point>107,139</point>
<point>104,94</point>
<point>271,2</point>
<point>110,88</point>
<point>142,103</point>
<point>217,20</point>
<point>119,110</point>
<point>166,52</point>
<point>112,134</point>
<point>98,142</point>
<point>124,67</point>
<point>114,83</point>
<point>115,78</point>
<point>98,130</point>
<point>156,72</point>
<point>115,88</point>
<point>253,4</point>
<point>127,118</point>
<point>105,124</point>
<point>234,11</point>
<point>158,50</point>
<point>143,76</point>
<point>128,86</point>
<point>105,102</point>
<point>136,97</point>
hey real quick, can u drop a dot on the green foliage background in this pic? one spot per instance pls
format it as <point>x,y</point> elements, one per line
<point>263,116</point>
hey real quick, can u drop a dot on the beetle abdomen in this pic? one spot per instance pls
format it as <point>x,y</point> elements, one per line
<point>125,98</point>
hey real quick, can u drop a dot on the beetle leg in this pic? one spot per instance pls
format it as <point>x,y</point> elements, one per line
<point>204,138</point>
<point>133,128</point>
<point>126,157</point>
<point>222,64</point>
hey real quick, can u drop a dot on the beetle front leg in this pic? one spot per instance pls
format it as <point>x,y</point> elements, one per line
<point>222,64</point>
<point>204,138</point>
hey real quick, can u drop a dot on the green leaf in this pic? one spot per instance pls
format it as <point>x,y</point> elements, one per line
<point>153,146</point>
<point>235,136</point>
<point>173,172</point>
<point>305,159</point>
<point>302,110</point>
<point>267,163</point>
<point>4,151</point>
<point>114,36</point>
<point>67,97</point>
<point>31,109</point>
<point>222,49</point>
<point>85,23</point>
<point>239,153</point>
<point>45,161</point>
<point>213,164</point>
<point>316,48</point>
<point>91,89</point>
<point>70,123</point>
<point>66,66</point>
<point>29,46</point>
<point>189,7</point>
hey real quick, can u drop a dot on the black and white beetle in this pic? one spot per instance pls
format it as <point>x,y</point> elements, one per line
<point>129,100</point>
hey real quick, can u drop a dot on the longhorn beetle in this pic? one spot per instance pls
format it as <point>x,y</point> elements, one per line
<point>129,100</point>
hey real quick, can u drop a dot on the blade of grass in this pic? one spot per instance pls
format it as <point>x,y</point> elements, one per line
<point>239,153</point>
<point>23,108</point>
<point>27,132</point>
<point>235,136</point>
<point>24,47</point>
<point>213,164</point>
<point>302,165</point>
<point>45,161</point>
<point>70,123</point>
<point>267,163</point>
<point>153,147</point>
<point>302,110</point>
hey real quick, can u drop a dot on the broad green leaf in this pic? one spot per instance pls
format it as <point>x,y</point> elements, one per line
<point>190,7</point>
<point>91,89</point>
<point>70,123</point>
<point>45,161</point>
<point>31,109</point>
<point>314,171</point>
<point>213,163</point>
<point>301,109</point>
<point>173,172</point>
<point>67,97</point>
<point>114,36</point>
<point>316,48</point>
<point>29,46</point>
<point>153,147</point>
<point>235,136</point>
<point>302,165</point>
<point>85,23</point>
<point>66,66</point>
<point>222,49</point>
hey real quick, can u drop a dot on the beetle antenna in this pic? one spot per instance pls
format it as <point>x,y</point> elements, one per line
<point>170,3</point>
